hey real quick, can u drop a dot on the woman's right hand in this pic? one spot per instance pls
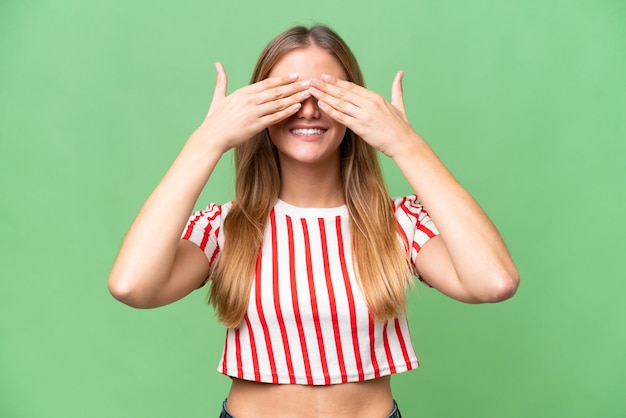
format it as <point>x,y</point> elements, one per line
<point>235,118</point>
<point>154,266</point>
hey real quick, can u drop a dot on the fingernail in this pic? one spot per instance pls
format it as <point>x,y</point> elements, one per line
<point>325,77</point>
<point>306,83</point>
<point>315,81</point>
<point>305,93</point>
<point>293,76</point>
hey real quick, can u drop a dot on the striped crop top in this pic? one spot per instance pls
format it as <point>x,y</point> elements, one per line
<point>307,320</point>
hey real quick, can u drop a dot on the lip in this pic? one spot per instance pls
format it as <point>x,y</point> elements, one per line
<point>304,126</point>
<point>307,126</point>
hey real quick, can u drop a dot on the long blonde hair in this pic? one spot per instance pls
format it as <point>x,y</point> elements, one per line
<point>379,259</point>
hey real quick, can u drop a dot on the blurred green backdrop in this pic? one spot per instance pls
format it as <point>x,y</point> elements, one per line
<point>524,100</point>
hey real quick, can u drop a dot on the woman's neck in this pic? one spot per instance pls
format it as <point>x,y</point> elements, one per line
<point>312,186</point>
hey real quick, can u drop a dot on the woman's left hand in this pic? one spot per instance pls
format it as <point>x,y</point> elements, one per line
<point>380,123</point>
<point>468,261</point>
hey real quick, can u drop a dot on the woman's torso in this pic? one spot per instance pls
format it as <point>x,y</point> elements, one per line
<point>366,399</point>
<point>308,322</point>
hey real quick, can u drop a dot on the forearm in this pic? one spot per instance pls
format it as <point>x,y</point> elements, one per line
<point>477,252</point>
<point>144,262</point>
<point>472,264</point>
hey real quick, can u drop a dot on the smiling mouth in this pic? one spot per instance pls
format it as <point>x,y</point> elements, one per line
<point>308,132</point>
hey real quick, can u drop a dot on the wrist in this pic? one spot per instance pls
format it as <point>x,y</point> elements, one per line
<point>206,144</point>
<point>409,146</point>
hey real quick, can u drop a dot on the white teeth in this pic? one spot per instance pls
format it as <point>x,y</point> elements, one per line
<point>308,131</point>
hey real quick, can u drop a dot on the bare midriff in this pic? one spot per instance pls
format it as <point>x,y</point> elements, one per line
<point>367,399</point>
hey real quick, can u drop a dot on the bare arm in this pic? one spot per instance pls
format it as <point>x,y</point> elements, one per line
<point>154,266</point>
<point>468,261</point>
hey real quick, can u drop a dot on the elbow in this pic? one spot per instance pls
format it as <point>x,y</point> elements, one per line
<point>503,286</point>
<point>126,292</point>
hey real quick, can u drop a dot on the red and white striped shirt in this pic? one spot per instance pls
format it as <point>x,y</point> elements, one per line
<point>307,320</point>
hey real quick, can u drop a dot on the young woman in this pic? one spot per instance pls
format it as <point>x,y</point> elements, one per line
<point>309,264</point>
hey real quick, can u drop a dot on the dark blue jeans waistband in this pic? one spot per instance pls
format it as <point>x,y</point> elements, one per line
<point>394,414</point>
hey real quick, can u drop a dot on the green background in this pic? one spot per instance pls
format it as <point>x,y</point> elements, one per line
<point>525,101</point>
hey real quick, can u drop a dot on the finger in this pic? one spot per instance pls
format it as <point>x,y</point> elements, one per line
<point>342,89</point>
<point>339,116</point>
<point>397,97</point>
<point>278,105</point>
<point>396,91</point>
<point>221,82</point>
<point>278,116</point>
<point>341,95</point>
<point>343,103</point>
<point>300,88</point>
<point>348,121</point>
<point>272,82</point>
<point>345,84</point>
<point>221,85</point>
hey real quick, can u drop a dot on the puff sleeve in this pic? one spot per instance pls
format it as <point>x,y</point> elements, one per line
<point>204,228</point>
<point>415,226</point>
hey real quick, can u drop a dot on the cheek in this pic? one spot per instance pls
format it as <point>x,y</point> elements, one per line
<point>341,131</point>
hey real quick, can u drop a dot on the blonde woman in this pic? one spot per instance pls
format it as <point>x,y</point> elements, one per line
<point>309,265</point>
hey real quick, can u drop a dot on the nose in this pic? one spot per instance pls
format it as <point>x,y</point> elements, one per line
<point>309,109</point>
